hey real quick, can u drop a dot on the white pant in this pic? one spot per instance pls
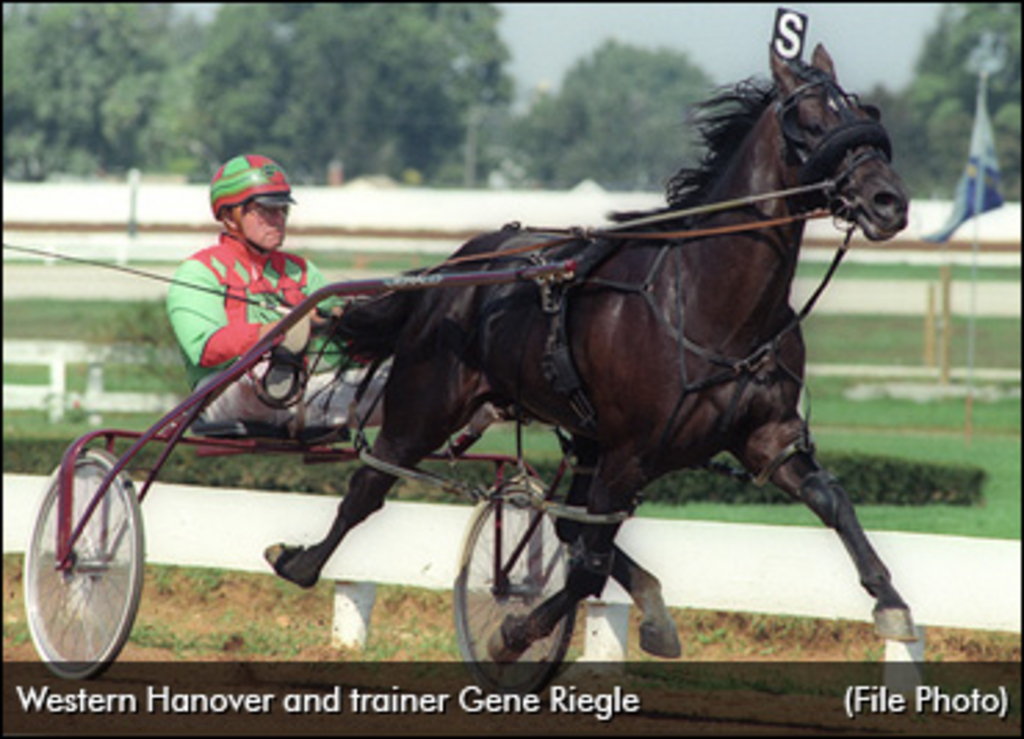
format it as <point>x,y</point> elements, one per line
<point>326,402</point>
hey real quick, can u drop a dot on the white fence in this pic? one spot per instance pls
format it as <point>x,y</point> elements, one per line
<point>360,206</point>
<point>57,399</point>
<point>949,581</point>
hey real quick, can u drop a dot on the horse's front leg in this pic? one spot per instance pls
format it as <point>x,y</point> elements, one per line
<point>803,477</point>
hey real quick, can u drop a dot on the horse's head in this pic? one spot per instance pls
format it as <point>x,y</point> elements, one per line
<point>831,137</point>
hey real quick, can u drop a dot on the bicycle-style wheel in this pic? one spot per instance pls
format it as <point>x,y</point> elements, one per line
<point>496,581</point>
<point>81,617</point>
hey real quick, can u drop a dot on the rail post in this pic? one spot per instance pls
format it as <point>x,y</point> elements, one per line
<point>58,388</point>
<point>353,604</point>
<point>903,662</point>
<point>930,328</point>
<point>607,631</point>
<point>947,325</point>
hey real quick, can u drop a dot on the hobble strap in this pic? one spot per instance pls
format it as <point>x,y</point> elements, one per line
<point>802,443</point>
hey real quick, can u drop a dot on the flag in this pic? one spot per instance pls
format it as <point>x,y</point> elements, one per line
<point>981,166</point>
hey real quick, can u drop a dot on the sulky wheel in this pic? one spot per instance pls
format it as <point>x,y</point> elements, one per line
<point>485,594</point>
<point>80,618</point>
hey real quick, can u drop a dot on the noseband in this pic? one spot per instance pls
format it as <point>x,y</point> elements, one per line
<point>818,162</point>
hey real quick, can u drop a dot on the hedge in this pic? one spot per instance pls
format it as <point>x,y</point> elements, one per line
<point>868,479</point>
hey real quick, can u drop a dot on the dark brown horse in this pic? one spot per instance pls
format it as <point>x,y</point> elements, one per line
<point>662,353</point>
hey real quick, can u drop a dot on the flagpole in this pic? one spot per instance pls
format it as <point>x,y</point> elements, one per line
<point>979,195</point>
<point>986,59</point>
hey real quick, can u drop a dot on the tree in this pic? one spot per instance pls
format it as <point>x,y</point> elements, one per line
<point>942,97</point>
<point>618,119</point>
<point>386,88</point>
<point>82,84</point>
<point>242,82</point>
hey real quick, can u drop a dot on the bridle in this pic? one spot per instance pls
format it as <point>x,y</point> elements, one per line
<point>838,146</point>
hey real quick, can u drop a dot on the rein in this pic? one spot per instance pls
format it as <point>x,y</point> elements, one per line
<point>615,232</point>
<point>702,232</point>
<point>281,307</point>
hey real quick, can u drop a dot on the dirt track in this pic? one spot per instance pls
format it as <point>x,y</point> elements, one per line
<point>207,634</point>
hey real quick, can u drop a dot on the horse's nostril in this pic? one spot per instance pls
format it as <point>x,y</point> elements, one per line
<point>885,200</point>
<point>889,202</point>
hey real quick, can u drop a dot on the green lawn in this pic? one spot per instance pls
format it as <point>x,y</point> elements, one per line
<point>999,517</point>
<point>922,431</point>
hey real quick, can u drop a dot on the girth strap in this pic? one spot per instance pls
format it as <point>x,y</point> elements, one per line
<point>557,365</point>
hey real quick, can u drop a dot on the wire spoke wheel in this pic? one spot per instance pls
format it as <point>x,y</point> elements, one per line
<point>80,617</point>
<point>512,561</point>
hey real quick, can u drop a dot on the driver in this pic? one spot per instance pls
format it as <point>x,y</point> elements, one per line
<point>227,297</point>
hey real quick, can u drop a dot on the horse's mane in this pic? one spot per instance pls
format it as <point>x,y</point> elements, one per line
<point>722,123</point>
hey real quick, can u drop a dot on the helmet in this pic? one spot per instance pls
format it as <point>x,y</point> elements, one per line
<point>247,177</point>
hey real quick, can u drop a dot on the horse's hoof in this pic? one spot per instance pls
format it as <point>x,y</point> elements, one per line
<point>283,559</point>
<point>498,646</point>
<point>895,623</point>
<point>660,639</point>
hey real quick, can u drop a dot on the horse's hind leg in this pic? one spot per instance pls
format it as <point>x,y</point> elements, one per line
<point>591,561</point>
<point>302,565</point>
<point>658,633</point>
<point>802,477</point>
<point>405,438</point>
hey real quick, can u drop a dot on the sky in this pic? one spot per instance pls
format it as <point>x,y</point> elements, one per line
<point>871,43</point>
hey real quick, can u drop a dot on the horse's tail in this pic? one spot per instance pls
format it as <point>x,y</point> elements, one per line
<point>370,329</point>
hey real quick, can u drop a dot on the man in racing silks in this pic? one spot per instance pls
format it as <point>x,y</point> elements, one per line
<point>246,284</point>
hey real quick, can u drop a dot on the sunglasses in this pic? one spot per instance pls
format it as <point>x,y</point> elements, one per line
<point>267,211</point>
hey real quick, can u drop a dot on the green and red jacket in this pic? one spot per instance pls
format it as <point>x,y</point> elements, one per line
<point>213,329</point>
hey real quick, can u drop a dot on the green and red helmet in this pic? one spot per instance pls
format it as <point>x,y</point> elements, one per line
<point>246,178</point>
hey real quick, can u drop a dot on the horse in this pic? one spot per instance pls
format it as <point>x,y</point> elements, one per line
<point>663,351</point>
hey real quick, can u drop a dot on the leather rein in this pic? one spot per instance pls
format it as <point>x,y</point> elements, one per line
<point>577,233</point>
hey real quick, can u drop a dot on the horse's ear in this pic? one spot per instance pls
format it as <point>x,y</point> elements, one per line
<point>782,73</point>
<point>823,61</point>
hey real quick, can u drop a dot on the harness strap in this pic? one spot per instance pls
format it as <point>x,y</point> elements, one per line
<point>450,486</point>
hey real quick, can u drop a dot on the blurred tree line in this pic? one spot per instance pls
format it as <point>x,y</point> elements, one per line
<point>418,92</point>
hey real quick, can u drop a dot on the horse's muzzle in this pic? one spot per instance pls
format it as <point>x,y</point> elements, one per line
<point>881,210</point>
<point>871,195</point>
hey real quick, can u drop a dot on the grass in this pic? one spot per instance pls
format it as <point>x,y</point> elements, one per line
<point>864,271</point>
<point>925,431</point>
<point>998,518</point>
<point>899,340</point>
<point>869,339</point>
<point>249,616</point>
